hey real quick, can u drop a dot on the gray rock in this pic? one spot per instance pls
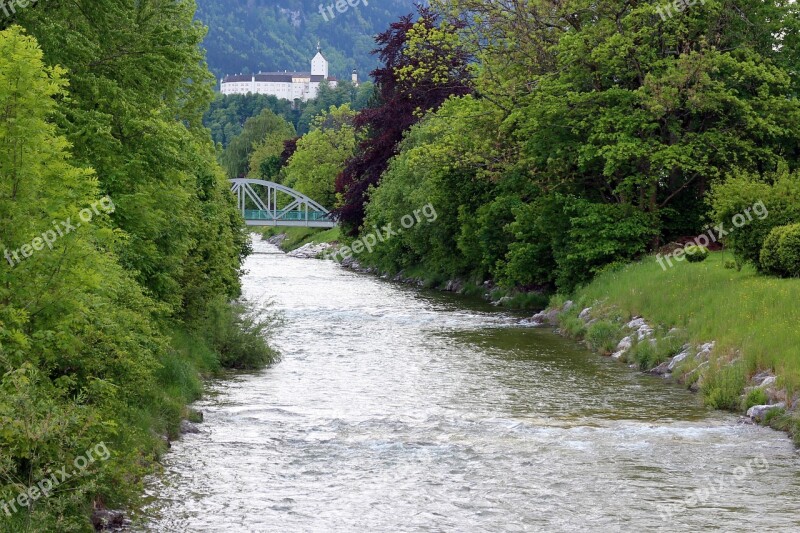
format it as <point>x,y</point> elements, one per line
<point>662,369</point>
<point>585,314</point>
<point>623,347</point>
<point>311,250</point>
<point>679,358</point>
<point>757,412</point>
<point>567,305</point>
<point>768,381</point>
<point>503,300</point>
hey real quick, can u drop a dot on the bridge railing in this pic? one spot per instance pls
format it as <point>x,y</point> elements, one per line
<point>255,214</point>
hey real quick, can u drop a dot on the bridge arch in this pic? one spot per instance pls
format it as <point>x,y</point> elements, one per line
<point>265,203</point>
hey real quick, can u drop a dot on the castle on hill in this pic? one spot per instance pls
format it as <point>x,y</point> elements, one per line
<point>287,85</point>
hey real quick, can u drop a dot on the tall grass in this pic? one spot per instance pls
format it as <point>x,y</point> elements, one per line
<point>748,313</point>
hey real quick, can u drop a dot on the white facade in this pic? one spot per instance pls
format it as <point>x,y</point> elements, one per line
<point>286,85</point>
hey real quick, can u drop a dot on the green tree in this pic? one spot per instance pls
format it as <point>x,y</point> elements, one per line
<point>321,155</point>
<point>261,140</point>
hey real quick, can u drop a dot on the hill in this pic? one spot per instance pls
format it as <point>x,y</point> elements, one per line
<point>264,35</point>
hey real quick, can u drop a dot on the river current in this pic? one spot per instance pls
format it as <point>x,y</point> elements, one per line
<point>400,410</point>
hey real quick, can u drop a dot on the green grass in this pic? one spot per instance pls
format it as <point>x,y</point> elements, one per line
<point>748,314</point>
<point>299,236</point>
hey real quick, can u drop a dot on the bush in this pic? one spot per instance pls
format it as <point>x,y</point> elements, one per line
<point>754,397</point>
<point>240,335</point>
<point>780,254</point>
<point>603,336</point>
<point>722,387</point>
<point>765,204</point>
<point>696,254</point>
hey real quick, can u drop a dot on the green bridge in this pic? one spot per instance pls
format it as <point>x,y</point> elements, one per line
<point>264,203</point>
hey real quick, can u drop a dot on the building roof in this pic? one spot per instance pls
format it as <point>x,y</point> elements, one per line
<point>285,77</point>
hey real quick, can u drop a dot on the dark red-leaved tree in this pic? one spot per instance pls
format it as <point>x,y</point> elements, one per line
<point>399,103</point>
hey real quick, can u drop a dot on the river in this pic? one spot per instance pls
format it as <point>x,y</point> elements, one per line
<point>399,410</point>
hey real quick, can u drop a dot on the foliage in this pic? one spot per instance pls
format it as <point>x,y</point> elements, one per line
<point>603,336</point>
<point>696,253</point>
<point>780,254</point>
<point>722,387</point>
<point>238,335</point>
<point>87,353</point>
<point>777,195</point>
<point>756,396</point>
<point>228,113</point>
<point>407,88</point>
<point>320,156</point>
<point>256,151</point>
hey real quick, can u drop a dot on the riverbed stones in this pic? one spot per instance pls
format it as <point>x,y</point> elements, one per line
<point>623,347</point>
<point>643,329</point>
<point>310,250</point>
<point>758,412</point>
<point>678,359</point>
<point>107,520</point>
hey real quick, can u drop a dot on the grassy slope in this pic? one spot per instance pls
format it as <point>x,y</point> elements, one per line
<point>297,237</point>
<point>757,315</point>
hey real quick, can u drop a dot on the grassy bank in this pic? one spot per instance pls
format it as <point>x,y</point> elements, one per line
<point>297,237</point>
<point>752,318</point>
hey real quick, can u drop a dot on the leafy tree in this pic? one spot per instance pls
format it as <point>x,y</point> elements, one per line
<point>409,83</point>
<point>262,138</point>
<point>78,346</point>
<point>228,113</point>
<point>321,155</point>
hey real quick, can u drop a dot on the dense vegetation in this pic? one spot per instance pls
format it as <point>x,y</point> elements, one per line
<point>264,35</point>
<point>122,248</point>
<point>591,135</point>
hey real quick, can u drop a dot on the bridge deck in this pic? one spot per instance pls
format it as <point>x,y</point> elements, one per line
<point>311,219</point>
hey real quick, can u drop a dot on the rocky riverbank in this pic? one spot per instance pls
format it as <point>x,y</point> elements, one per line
<point>664,352</point>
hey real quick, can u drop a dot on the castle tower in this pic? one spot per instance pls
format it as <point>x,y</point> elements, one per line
<point>319,65</point>
<point>354,77</point>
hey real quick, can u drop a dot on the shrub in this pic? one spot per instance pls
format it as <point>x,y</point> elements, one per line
<point>696,254</point>
<point>722,387</point>
<point>754,397</point>
<point>603,336</point>
<point>239,334</point>
<point>573,326</point>
<point>780,254</point>
<point>767,203</point>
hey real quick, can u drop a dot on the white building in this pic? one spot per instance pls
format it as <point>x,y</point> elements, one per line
<point>286,85</point>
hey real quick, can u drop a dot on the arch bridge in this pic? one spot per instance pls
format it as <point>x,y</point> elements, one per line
<point>264,203</point>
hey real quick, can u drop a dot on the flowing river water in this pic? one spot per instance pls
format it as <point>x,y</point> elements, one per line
<point>398,410</point>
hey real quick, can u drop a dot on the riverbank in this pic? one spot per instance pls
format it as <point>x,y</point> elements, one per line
<point>729,335</point>
<point>313,243</point>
